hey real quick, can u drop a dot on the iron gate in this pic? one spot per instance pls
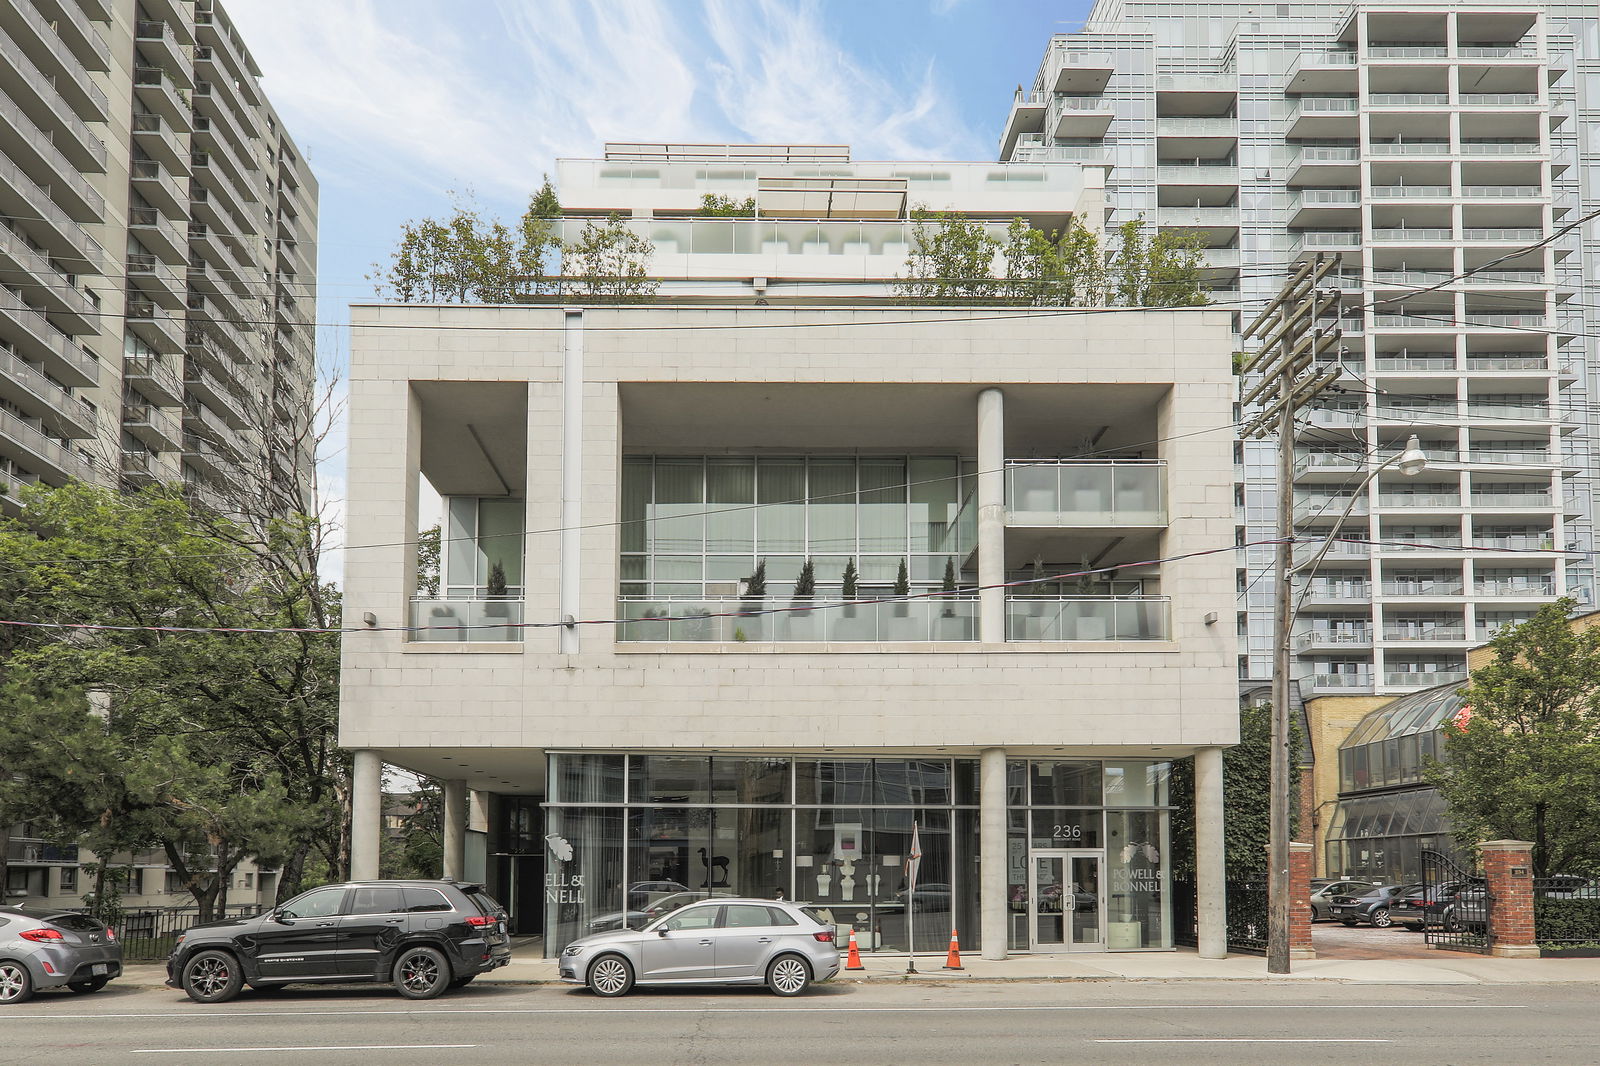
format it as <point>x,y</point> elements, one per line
<point>1455,905</point>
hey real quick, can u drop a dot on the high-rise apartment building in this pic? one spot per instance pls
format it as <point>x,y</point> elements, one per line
<point>1440,150</point>
<point>157,255</point>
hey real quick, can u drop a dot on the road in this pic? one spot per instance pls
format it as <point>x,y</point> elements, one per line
<point>991,1024</point>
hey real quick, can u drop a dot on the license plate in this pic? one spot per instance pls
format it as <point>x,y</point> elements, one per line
<point>99,968</point>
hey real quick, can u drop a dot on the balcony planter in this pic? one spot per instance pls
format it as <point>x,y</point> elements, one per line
<point>849,593</point>
<point>902,589</point>
<point>496,607</point>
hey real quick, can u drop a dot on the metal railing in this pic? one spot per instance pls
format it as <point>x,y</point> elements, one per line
<point>1420,233</point>
<point>1339,681</point>
<point>1501,192</point>
<point>1394,192</point>
<point>1408,51</point>
<point>732,620</point>
<point>1412,363</point>
<point>1539,500</point>
<point>1419,499</point>
<point>1503,233</point>
<point>148,935</point>
<point>1424,588</point>
<point>1500,99</point>
<point>1566,913</point>
<point>1408,99</point>
<point>447,619</point>
<point>1409,147</point>
<point>1329,154</point>
<point>1499,148</point>
<point>1088,618</point>
<point>1085,493</point>
<point>1334,638</point>
<point>1422,678</point>
<point>1425,633</point>
<point>1520,589</point>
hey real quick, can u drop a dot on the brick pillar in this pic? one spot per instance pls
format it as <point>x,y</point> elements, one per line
<point>1508,867</point>
<point>1300,901</point>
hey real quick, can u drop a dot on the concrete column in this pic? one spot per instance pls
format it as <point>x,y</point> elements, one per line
<point>572,378</point>
<point>455,829</point>
<point>1210,861</point>
<point>1508,867</point>
<point>1300,901</point>
<point>366,814</point>
<point>992,902</point>
<point>991,516</point>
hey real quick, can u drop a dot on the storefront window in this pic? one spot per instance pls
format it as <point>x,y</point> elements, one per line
<point>738,780</point>
<point>1054,827</point>
<point>586,779</point>
<point>583,880</point>
<point>1066,784</point>
<point>1136,887</point>
<point>1140,783</point>
<point>831,781</point>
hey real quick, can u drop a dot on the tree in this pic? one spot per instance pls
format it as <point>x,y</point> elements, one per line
<point>951,258</point>
<point>902,581</point>
<point>1246,786</point>
<point>1523,759</point>
<point>609,260</point>
<point>416,848</point>
<point>224,745</point>
<point>467,256</point>
<point>428,562</point>
<point>805,585</point>
<point>714,206</point>
<point>755,585</point>
<point>851,579</point>
<point>1156,271</point>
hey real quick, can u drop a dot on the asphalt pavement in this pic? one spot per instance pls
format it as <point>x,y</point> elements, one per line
<point>1150,1024</point>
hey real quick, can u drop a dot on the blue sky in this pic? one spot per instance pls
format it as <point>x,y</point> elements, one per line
<point>398,102</point>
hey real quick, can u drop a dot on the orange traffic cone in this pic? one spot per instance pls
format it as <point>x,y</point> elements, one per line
<point>852,961</point>
<point>954,960</point>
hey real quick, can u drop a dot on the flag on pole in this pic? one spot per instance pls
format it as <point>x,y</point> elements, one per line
<point>913,860</point>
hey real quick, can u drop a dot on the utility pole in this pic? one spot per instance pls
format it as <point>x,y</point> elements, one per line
<point>1293,372</point>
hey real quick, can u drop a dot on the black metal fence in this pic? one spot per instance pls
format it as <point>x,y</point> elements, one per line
<point>1456,905</point>
<point>1566,915</point>
<point>147,935</point>
<point>1247,914</point>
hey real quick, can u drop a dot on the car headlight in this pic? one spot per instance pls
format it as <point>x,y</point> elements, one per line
<point>575,949</point>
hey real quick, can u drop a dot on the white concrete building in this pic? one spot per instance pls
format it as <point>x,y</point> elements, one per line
<point>1419,141</point>
<point>618,716</point>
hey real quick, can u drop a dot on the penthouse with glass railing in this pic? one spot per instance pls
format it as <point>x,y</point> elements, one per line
<point>739,584</point>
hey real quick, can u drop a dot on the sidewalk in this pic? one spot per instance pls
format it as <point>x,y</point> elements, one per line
<point>1450,967</point>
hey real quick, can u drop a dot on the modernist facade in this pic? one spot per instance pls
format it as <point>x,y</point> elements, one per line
<point>157,255</point>
<point>1420,142</point>
<point>157,280</point>
<point>619,713</point>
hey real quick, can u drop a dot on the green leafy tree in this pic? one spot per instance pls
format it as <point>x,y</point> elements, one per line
<point>1160,270</point>
<point>951,258</point>
<point>851,580</point>
<point>1524,760</point>
<point>902,581</point>
<point>469,257</point>
<point>714,206</point>
<point>1246,788</point>
<point>416,847</point>
<point>805,585</point>
<point>609,260</point>
<point>428,562</point>
<point>755,585</point>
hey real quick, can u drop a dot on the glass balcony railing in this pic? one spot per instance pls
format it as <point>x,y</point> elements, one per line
<point>740,621</point>
<point>1078,493</point>
<point>1088,618</point>
<point>466,620</point>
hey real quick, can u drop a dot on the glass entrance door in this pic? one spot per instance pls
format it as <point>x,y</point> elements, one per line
<point>1066,911</point>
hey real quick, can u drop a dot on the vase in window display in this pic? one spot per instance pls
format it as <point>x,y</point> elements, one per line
<point>847,881</point>
<point>823,883</point>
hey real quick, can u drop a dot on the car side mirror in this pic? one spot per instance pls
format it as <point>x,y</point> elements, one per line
<point>662,932</point>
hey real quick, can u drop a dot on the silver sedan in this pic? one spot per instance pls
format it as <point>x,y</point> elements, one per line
<point>48,947</point>
<point>1322,897</point>
<point>725,941</point>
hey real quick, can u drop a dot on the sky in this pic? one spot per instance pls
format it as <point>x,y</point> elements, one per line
<point>397,104</point>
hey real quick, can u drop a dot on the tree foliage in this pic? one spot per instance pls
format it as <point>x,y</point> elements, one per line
<point>416,847</point>
<point>213,747</point>
<point>956,259</point>
<point>1246,796</point>
<point>714,206</point>
<point>1523,762</point>
<point>609,260</point>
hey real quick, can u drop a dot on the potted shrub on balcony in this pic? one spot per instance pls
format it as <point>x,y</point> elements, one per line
<point>902,589</point>
<point>496,607</point>
<point>850,591</point>
<point>950,626</point>
<point>755,591</point>
<point>805,587</point>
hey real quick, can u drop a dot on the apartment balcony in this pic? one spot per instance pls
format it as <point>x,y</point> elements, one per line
<point>1324,208</point>
<point>1086,494</point>
<point>1339,593</point>
<point>1220,223</point>
<point>1408,51</point>
<point>36,153</point>
<point>1088,618</point>
<point>40,342</point>
<point>1082,116</point>
<point>217,393</point>
<point>1335,684</point>
<point>1444,589</point>
<point>1515,590</point>
<point>1449,633</point>
<point>1081,72</point>
<point>1504,192</point>
<point>37,852</point>
<point>59,63</point>
<point>1336,416</point>
<point>1325,165</point>
<point>1322,116</point>
<point>1411,192</point>
<point>1309,509</point>
<point>1333,551</point>
<point>1322,72</point>
<point>1026,117</point>
<point>1524,148</point>
<point>159,234</point>
<point>153,425</point>
<point>1518,235</point>
<point>1514,53</point>
<point>139,467</point>
<point>155,89</point>
<point>1219,259</point>
<point>54,462</point>
<point>1513,502</point>
<point>1513,458</point>
<point>156,185</point>
<point>161,283</point>
<point>213,184</point>
<point>24,385</point>
<point>1405,412</point>
<point>150,375</point>
<point>1419,679</point>
<point>157,140</point>
<point>739,621</point>
<point>42,284</point>
<point>1411,234</point>
<point>1433,544</point>
<point>1408,101</point>
<point>157,41</point>
<point>1202,175</point>
<point>58,232</point>
<point>161,329</point>
<point>1333,641</point>
<point>1498,412</point>
<point>207,457</point>
<point>1508,362</point>
<point>1197,126</point>
<point>1038,152</point>
<point>1516,542</point>
<point>1414,364</point>
<point>1419,501</point>
<point>1335,463</point>
<point>1440,149</point>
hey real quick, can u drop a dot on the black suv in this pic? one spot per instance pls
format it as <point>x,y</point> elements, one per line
<point>423,936</point>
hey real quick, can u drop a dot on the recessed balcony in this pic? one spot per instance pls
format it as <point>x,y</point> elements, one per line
<point>158,93</point>
<point>1082,116</point>
<point>730,620</point>
<point>1422,678</point>
<point>1326,165</point>
<point>1322,72</point>
<point>1088,618</point>
<point>1086,494</point>
<point>1323,116</point>
<point>466,620</point>
<point>1333,640</point>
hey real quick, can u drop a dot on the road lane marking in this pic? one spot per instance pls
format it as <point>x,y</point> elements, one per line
<point>328,1047</point>
<point>7,1016</point>
<point>1239,1040</point>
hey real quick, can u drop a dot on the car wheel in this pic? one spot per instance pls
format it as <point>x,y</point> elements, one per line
<point>212,977</point>
<point>421,973</point>
<point>1451,923</point>
<point>1381,919</point>
<point>93,984</point>
<point>16,986</point>
<point>788,975</point>
<point>610,976</point>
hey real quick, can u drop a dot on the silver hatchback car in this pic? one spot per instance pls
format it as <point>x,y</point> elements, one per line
<point>47,947</point>
<point>720,941</point>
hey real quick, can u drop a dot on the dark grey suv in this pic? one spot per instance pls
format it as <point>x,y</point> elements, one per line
<point>422,936</point>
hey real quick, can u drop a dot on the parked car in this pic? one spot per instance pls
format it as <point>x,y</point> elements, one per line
<point>638,918</point>
<point>643,893</point>
<point>424,937</point>
<point>45,947</point>
<point>783,945</point>
<point>1322,895</point>
<point>1467,911</point>
<point>1371,906</point>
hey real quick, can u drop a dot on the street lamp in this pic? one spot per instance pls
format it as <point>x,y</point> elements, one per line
<point>1411,461</point>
